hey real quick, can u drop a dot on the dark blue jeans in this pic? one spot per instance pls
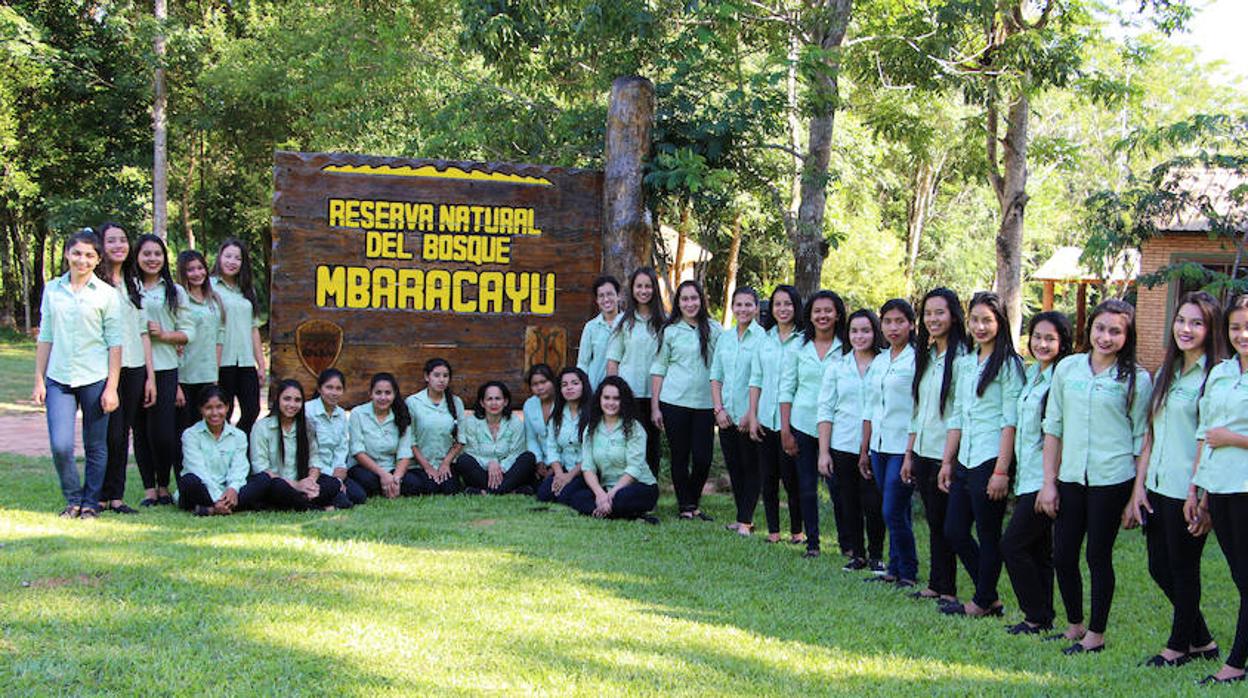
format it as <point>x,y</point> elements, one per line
<point>63,403</point>
<point>903,559</point>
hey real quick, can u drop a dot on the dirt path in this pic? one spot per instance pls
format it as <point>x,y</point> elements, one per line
<point>26,434</point>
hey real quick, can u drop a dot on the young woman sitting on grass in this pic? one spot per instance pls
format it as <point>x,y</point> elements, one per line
<point>494,459</point>
<point>381,442</point>
<point>618,481</point>
<point>284,452</point>
<point>563,436</point>
<point>214,462</point>
<point>328,421</point>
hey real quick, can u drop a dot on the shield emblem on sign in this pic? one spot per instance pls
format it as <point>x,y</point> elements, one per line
<point>318,343</point>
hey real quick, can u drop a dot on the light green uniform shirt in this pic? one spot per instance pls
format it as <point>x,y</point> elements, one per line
<point>221,463</point>
<point>1174,434</point>
<point>611,455</point>
<point>81,327</point>
<point>563,445</point>
<point>765,369</point>
<point>1100,439</point>
<point>133,327</point>
<point>267,456</point>
<point>591,355</point>
<point>164,354</point>
<point>198,363</point>
<point>841,398</point>
<point>731,367</point>
<point>982,417</point>
<point>686,377</point>
<point>240,320</point>
<point>926,423</point>
<point>333,439</point>
<point>1029,436</point>
<point>434,425</point>
<point>484,446</point>
<point>634,349</point>
<point>889,403</point>
<point>535,427</point>
<point>1225,404</point>
<point>801,380</point>
<point>381,441</point>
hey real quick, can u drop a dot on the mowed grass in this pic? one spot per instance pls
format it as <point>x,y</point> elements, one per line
<point>471,595</point>
<point>17,376</point>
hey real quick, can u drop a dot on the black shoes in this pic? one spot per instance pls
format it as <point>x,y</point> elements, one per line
<point>855,564</point>
<point>1024,628</point>
<point>165,500</point>
<point>958,609</point>
<point>1078,648</point>
<point>1159,661</point>
<point>1212,680</point>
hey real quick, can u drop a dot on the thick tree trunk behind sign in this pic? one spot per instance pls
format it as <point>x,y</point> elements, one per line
<point>628,234</point>
<point>1009,181</point>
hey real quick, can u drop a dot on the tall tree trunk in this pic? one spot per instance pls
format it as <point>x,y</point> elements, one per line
<point>682,234</point>
<point>918,209</point>
<point>160,129</point>
<point>1008,176</point>
<point>8,267</point>
<point>734,255</point>
<point>628,237</point>
<point>186,201</point>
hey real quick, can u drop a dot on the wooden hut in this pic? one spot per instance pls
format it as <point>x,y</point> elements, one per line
<point>1064,267</point>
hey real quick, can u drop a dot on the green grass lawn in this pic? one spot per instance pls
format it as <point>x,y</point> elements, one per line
<point>469,595</point>
<point>17,376</point>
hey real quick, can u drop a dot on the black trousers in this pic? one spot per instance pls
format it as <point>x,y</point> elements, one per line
<point>630,502</point>
<point>1027,548</point>
<point>808,484</point>
<point>188,413</point>
<point>473,474</point>
<point>279,495</point>
<point>778,466</point>
<point>349,493</point>
<point>969,505</point>
<point>690,432</point>
<point>654,446</point>
<point>1097,513</point>
<point>243,383</point>
<point>1174,563</point>
<point>860,507</point>
<point>120,424</point>
<point>427,486</point>
<point>546,492</point>
<point>370,482</point>
<point>741,460</point>
<point>942,576</point>
<point>156,444</point>
<point>1230,521</point>
<point>192,493</point>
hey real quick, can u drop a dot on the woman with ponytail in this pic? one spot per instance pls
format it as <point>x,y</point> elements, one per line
<point>285,458</point>
<point>381,442</point>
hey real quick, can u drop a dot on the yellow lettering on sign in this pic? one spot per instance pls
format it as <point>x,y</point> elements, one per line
<point>387,245</point>
<point>385,291</point>
<point>357,287</point>
<point>458,303</point>
<point>388,288</point>
<point>331,286</point>
<point>437,290</point>
<point>336,208</point>
<point>490,295</point>
<point>543,301</point>
<point>517,287</point>
<point>411,289</point>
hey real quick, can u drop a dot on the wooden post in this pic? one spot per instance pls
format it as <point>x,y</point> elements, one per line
<point>1046,302</point>
<point>1081,314</point>
<point>627,238</point>
<point>734,255</point>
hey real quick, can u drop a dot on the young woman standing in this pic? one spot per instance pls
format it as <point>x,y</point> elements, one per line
<point>776,465</point>
<point>436,412</point>
<point>1094,428</point>
<point>680,394</point>
<point>214,462</point>
<point>537,413</point>
<point>631,350</point>
<point>730,399</point>
<point>942,339</point>
<point>333,437</point>
<point>381,442</point>
<point>887,409</point>
<point>822,344</point>
<point>284,455</point>
<point>1218,493</point>
<point>591,354</point>
<point>242,369</point>
<point>840,416</point>
<point>1165,473</point>
<point>199,359</point>
<point>982,426</point>
<point>563,437</point>
<point>618,485</point>
<point>1027,545</point>
<point>494,459</point>
<point>136,386</point>
<point>170,327</point>
<point>77,366</point>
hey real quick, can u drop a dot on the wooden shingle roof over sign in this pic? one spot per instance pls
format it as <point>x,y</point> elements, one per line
<point>1064,267</point>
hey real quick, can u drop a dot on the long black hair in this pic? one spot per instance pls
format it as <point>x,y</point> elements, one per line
<point>628,408</point>
<point>840,329</point>
<point>902,306</point>
<point>302,443</point>
<point>629,318</point>
<point>1211,314</point>
<point>185,257</point>
<point>1126,355</point>
<point>582,404</point>
<point>878,343</point>
<point>402,417</point>
<point>245,285</point>
<point>129,268</point>
<point>703,318</point>
<point>171,291</point>
<point>478,408</point>
<point>1238,301</point>
<point>795,299</point>
<point>447,395</point>
<point>955,340</point>
<point>1065,342</point>
<point>1003,354</point>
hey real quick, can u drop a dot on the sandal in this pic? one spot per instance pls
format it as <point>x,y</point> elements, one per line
<point>698,513</point>
<point>121,509</point>
<point>71,512</point>
<point>165,500</point>
<point>88,513</point>
<point>797,539</point>
<point>772,538</point>
<point>148,502</point>
<point>810,554</point>
<point>686,515</point>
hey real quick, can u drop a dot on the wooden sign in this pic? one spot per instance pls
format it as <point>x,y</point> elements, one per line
<point>380,264</point>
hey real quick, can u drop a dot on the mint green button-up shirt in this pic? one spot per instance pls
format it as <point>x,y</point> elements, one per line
<point>765,369</point>
<point>926,423</point>
<point>611,455</point>
<point>1174,434</point>
<point>981,418</point>
<point>841,397</point>
<point>333,440</point>
<point>380,441</point>
<point>889,403</point>
<point>432,425</point>
<point>1225,404</point>
<point>563,445</point>
<point>220,463</point>
<point>240,320</point>
<point>133,327</point>
<point>198,363</point>
<point>535,427</point>
<point>1029,436</point>
<point>731,365</point>
<point>686,377</point>
<point>164,354</point>
<point>81,326</point>
<point>267,455</point>
<point>485,446</point>
<point>801,380</point>
<point>1100,438</point>
<point>634,349</point>
<point>591,355</point>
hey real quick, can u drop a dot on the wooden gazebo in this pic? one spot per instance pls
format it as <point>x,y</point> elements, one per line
<point>1064,267</point>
